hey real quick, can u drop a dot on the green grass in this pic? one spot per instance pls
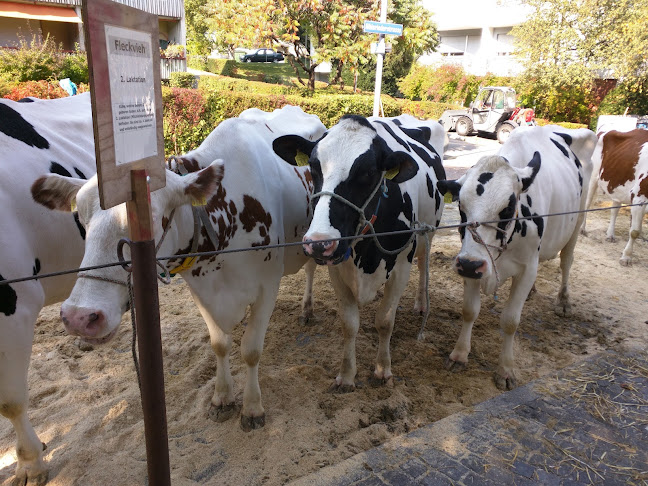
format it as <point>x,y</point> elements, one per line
<point>269,72</point>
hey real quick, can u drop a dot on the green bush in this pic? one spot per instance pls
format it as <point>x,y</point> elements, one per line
<point>186,124</point>
<point>37,61</point>
<point>180,79</point>
<point>542,122</point>
<point>447,84</point>
<point>75,67</point>
<point>224,83</point>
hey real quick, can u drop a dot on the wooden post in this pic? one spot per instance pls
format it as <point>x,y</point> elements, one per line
<point>149,342</point>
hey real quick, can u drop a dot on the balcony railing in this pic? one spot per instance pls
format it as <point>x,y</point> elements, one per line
<point>168,66</point>
<point>163,8</point>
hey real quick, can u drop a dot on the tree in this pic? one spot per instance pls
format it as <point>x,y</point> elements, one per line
<point>419,36</point>
<point>566,44</point>
<point>239,24</point>
<point>323,30</point>
<point>198,41</point>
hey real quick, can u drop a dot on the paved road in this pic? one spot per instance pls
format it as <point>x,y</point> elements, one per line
<point>586,425</point>
<point>463,152</point>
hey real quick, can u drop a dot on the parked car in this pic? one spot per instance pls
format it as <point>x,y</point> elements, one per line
<point>263,55</point>
<point>493,111</point>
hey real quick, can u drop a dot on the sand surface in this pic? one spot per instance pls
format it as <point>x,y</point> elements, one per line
<point>85,404</point>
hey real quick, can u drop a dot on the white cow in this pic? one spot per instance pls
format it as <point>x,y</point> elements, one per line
<point>538,171</point>
<point>36,137</point>
<point>382,171</point>
<point>620,168</point>
<point>253,198</point>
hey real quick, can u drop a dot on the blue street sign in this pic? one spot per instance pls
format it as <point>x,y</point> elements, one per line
<point>385,28</point>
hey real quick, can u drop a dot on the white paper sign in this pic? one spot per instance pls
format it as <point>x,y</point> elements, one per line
<point>130,67</point>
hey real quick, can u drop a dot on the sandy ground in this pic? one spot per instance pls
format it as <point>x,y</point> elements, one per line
<point>85,404</point>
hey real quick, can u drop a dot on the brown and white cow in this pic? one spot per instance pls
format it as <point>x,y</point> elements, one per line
<point>37,137</point>
<point>253,199</point>
<point>537,172</point>
<point>620,167</point>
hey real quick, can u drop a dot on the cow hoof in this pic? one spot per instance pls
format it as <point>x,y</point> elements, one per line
<point>377,382</point>
<point>222,413</point>
<point>35,480</point>
<point>342,388</point>
<point>625,262</point>
<point>563,310</point>
<point>454,366</point>
<point>249,424</point>
<point>610,239</point>
<point>505,381</point>
<point>306,320</point>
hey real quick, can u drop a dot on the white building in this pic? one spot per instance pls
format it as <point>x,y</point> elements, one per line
<point>476,35</point>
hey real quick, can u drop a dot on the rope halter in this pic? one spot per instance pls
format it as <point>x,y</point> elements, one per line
<point>363,223</point>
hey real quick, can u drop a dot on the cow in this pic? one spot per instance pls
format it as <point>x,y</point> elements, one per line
<point>620,168</point>
<point>371,175</point>
<point>253,199</point>
<point>37,137</point>
<point>537,172</point>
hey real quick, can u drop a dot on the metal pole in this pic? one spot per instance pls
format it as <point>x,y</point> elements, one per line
<point>379,59</point>
<point>149,340</point>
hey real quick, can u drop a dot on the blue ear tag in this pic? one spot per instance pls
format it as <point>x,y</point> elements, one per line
<point>347,254</point>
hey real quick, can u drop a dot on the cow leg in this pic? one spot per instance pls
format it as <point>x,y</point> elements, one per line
<point>350,316</point>
<point>563,305</point>
<point>385,316</point>
<point>471,306</point>
<point>421,301</point>
<point>307,301</point>
<point>15,352</point>
<point>609,236</point>
<point>222,403</point>
<point>252,413</point>
<point>636,218</point>
<point>509,321</point>
<point>591,192</point>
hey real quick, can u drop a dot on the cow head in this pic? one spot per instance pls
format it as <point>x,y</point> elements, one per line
<point>489,191</point>
<point>95,306</point>
<point>348,165</point>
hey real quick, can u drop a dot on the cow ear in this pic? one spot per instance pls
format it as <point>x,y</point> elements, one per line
<point>449,189</point>
<point>293,149</point>
<point>400,167</point>
<point>196,186</point>
<point>528,174</point>
<point>57,192</point>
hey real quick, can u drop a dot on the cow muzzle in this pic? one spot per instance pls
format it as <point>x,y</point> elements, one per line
<point>470,268</point>
<point>90,325</point>
<point>317,246</point>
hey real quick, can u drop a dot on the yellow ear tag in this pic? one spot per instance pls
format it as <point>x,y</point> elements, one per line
<point>447,197</point>
<point>199,202</point>
<point>390,174</point>
<point>301,158</point>
<point>73,206</point>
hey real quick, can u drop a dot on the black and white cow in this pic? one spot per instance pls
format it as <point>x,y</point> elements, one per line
<point>253,198</point>
<point>538,171</point>
<point>378,170</point>
<point>37,137</point>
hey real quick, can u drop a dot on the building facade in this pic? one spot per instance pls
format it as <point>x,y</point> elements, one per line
<point>61,21</point>
<point>475,34</point>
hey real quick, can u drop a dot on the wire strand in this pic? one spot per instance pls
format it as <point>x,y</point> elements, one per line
<point>419,230</point>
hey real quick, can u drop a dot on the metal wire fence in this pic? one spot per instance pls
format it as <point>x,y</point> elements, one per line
<point>422,230</point>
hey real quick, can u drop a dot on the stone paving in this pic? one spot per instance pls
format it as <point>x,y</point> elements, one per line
<point>588,424</point>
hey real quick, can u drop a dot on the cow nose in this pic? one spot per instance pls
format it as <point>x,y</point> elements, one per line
<point>83,322</point>
<point>318,246</point>
<point>470,268</point>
